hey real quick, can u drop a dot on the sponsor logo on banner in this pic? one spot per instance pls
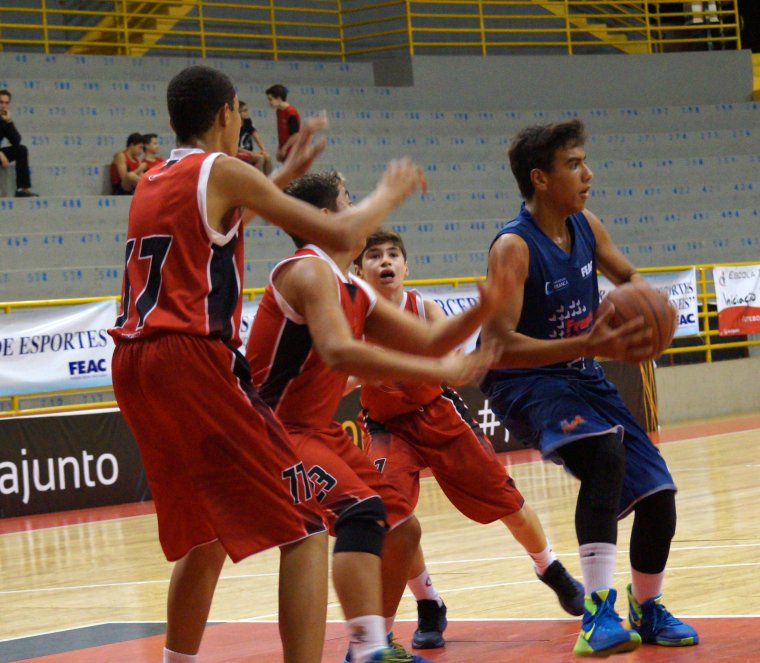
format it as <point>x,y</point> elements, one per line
<point>453,301</point>
<point>681,289</point>
<point>737,290</point>
<point>56,348</point>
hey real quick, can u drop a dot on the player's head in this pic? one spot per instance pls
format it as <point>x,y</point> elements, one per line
<point>150,143</point>
<point>325,190</point>
<point>535,148</point>
<point>196,97</point>
<point>383,263</point>
<point>276,94</point>
<point>5,99</point>
<point>135,138</point>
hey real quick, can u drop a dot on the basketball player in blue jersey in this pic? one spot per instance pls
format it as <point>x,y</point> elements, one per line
<point>550,392</point>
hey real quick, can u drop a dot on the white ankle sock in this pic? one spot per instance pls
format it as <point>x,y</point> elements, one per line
<point>646,585</point>
<point>367,634</point>
<point>597,565</point>
<point>543,560</point>
<point>422,588</point>
<point>175,657</point>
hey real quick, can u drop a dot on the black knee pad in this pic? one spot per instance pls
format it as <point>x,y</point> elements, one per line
<point>362,528</point>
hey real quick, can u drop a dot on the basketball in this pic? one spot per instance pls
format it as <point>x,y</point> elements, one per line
<point>659,314</point>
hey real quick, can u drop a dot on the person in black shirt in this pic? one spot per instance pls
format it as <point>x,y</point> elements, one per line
<point>15,151</point>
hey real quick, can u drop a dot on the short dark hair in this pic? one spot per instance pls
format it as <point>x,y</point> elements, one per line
<point>194,97</point>
<point>279,91</point>
<point>149,137</point>
<point>536,146</point>
<point>135,138</point>
<point>381,236</point>
<point>318,189</point>
<point>7,93</point>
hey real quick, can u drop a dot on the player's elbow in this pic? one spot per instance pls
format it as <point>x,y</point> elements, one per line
<point>338,356</point>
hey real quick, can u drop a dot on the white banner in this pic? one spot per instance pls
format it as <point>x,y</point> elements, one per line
<point>453,301</point>
<point>681,289</point>
<point>246,321</point>
<point>55,348</point>
<point>737,290</point>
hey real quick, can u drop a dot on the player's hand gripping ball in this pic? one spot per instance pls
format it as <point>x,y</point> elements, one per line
<point>632,300</point>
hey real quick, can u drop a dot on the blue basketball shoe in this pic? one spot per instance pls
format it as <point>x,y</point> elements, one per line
<point>601,633</point>
<point>568,590</point>
<point>652,621</point>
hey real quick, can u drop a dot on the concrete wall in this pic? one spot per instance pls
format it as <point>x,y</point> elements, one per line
<point>581,81</point>
<point>700,391</point>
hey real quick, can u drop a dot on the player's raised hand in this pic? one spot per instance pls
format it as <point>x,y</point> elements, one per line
<point>305,150</point>
<point>402,177</point>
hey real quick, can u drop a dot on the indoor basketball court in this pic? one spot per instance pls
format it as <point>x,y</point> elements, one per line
<point>90,586</point>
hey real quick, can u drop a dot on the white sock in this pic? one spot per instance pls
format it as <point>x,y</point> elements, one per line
<point>389,624</point>
<point>367,634</point>
<point>175,657</point>
<point>543,560</point>
<point>646,585</point>
<point>422,588</point>
<point>597,565</point>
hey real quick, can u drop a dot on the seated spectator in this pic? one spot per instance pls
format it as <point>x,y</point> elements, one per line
<point>259,158</point>
<point>15,151</point>
<point>150,151</point>
<point>288,119</point>
<point>127,167</point>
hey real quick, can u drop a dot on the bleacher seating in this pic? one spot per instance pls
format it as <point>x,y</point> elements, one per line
<point>674,184</point>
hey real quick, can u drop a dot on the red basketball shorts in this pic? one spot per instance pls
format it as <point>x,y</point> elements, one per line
<point>218,462</point>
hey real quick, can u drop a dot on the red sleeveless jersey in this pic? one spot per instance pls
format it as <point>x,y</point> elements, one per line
<point>181,276</point>
<point>386,400</point>
<point>287,371</point>
<point>132,164</point>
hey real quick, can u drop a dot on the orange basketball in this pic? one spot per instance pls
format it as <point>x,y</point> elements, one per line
<point>659,314</point>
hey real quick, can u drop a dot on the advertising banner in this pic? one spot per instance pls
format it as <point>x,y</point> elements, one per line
<point>737,290</point>
<point>60,347</point>
<point>72,461</point>
<point>681,289</point>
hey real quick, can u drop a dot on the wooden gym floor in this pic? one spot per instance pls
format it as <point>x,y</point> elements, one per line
<point>89,586</point>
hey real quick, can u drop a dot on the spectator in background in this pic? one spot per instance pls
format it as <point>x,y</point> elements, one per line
<point>127,167</point>
<point>15,151</point>
<point>150,151</point>
<point>288,119</point>
<point>700,13</point>
<point>250,148</point>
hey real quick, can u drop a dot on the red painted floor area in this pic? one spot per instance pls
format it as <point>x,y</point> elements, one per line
<point>723,639</point>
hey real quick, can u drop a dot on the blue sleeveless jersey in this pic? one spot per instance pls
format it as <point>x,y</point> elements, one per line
<point>561,291</point>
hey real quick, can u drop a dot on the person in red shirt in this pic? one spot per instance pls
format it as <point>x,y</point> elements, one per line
<point>407,427</point>
<point>127,167</point>
<point>288,119</point>
<point>216,457</point>
<point>151,157</point>
<point>305,341</point>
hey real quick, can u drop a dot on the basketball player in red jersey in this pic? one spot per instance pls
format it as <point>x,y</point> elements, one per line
<point>305,340</point>
<point>216,458</point>
<point>408,427</point>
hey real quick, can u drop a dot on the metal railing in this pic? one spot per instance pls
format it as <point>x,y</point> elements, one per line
<point>343,29</point>
<point>707,343</point>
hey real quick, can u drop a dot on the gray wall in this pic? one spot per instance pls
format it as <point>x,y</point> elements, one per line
<point>581,81</point>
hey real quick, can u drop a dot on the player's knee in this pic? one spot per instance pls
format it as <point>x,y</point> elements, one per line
<point>362,528</point>
<point>406,535</point>
<point>657,512</point>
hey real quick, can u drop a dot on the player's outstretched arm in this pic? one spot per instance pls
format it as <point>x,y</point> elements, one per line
<point>234,184</point>
<point>309,287</point>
